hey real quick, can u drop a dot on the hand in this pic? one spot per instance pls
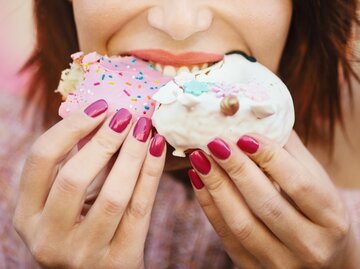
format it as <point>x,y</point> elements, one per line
<point>273,207</point>
<point>113,232</point>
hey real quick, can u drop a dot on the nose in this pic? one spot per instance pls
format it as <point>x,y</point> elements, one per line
<point>180,19</point>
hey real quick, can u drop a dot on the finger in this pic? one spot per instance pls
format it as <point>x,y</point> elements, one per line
<point>297,149</point>
<point>105,214</point>
<point>135,223</point>
<point>311,195</point>
<point>68,192</point>
<point>237,253</point>
<point>49,150</point>
<point>251,233</point>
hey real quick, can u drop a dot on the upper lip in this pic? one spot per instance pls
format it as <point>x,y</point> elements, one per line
<point>167,58</point>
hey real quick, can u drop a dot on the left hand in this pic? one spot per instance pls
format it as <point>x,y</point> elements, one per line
<point>272,207</point>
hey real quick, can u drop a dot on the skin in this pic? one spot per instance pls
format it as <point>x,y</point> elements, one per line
<point>303,226</point>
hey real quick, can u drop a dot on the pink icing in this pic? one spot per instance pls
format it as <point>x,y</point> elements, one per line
<point>124,82</point>
<point>252,91</point>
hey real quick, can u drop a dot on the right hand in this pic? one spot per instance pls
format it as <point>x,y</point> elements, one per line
<point>48,212</point>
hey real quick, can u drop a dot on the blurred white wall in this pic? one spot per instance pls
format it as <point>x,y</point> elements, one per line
<point>16,42</point>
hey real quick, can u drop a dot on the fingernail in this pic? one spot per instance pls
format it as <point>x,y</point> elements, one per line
<point>219,149</point>
<point>248,144</point>
<point>200,162</point>
<point>157,145</point>
<point>195,179</point>
<point>142,129</point>
<point>96,108</point>
<point>120,120</point>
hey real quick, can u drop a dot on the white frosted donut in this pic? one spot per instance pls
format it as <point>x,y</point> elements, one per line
<point>231,98</point>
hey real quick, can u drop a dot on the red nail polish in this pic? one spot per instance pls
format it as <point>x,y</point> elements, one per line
<point>142,129</point>
<point>200,162</point>
<point>157,145</point>
<point>219,149</point>
<point>195,179</point>
<point>248,144</point>
<point>96,108</point>
<point>120,120</point>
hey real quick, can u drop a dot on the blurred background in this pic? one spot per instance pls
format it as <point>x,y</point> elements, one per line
<point>16,43</point>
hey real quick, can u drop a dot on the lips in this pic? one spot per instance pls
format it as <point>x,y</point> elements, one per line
<point>184,59</point>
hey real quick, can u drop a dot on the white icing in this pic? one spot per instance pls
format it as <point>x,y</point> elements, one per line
<point>191,122</point>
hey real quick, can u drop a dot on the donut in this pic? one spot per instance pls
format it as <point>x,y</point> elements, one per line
<point>232,98</point>
<point>124,82</point>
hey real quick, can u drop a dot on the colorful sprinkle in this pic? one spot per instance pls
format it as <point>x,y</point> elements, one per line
<point>147,107</point>
<point>111,82</point>
<point>126,92</point>
<point>97,84</point>
<point>128,83</point>
<point>139,86</point>
<point>103,77</point>
<point>133,99</point>
<point>139,96</point>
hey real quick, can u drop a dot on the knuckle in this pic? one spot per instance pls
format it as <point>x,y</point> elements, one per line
<point>270,208</point>
<point>267,157</point>
<point>242,230</point>
<point>68,182</point>
<point>39,154</point>
<point>319,258</point>
<point>216,185</point>
<point>42,254</point>
<point>18,222</point>
<point>315,254</point>
<point>106,143</point>
<point>114,206</point>
<point>236,169</point>
<point>342,228</point>
<point>220,228</point>
<point>298,185</point>
<point>151,171</point>
<point>139,208</point>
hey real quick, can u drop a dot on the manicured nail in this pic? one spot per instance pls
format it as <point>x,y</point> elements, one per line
<point>248,144</point>
<point>120,120</point>
<point>157,145</point>
<point>219,149</point>
<point>142,129</point>
<point>96,108</point>
<point>200,162</point>
<point>195,179</point>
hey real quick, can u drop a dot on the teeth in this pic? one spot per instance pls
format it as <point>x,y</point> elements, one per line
<point>172,71</point>
<point>183,69</point>
<point>158,67</point>
<point>195,69</point>
<point>169,71</point>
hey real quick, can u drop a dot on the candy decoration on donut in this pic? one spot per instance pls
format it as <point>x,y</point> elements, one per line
<point>234,97</point>
<point>124,82</point>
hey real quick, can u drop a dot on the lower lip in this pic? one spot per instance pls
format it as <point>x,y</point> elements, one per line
<point>167,58</point>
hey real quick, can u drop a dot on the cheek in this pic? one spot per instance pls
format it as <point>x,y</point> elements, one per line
<point>96,21</point>
<point>267,30</point>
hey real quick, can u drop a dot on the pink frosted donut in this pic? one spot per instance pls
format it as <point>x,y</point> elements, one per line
<point>124,82</point>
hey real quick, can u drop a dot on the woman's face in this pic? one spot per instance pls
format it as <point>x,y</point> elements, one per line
<point>114,27</point>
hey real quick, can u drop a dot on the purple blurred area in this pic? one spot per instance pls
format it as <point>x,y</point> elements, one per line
<point>16,43</point>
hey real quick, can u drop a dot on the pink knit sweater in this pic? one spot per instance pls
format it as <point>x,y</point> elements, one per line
<point>180,235</point>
